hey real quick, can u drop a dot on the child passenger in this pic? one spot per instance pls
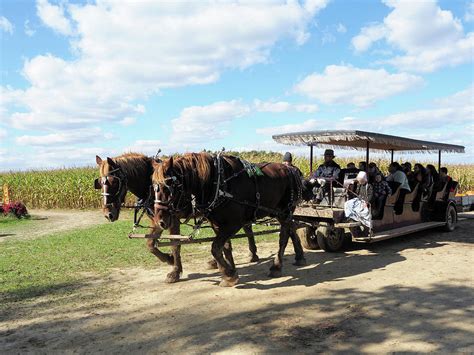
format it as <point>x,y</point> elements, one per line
<point>381,191</point>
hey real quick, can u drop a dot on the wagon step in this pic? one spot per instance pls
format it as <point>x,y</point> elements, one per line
<point>397,232</point>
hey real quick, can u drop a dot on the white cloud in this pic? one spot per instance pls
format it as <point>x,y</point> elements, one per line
<point>367,36</point>
<point>126,51</point>
<point>469,15</point>
<point>3,133</point>
<point>63,138</point>
<point>307,125</point>
<point>28,30</point>
<point>198,124</point>
<point>53,16</point>
<point>128,121</point>
<point>283,106</point>
<point>6,25</point>
<point>341,28</point>
<point>453,111</point>
<point>429,36</point>
<point>456,109</point>
<point>340,84</point>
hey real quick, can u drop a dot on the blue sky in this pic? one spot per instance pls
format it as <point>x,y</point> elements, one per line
<point>104,77</point>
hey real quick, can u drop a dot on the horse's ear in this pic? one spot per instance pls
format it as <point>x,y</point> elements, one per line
<point>111,162</point>
<point>98,160</point>
<point>170,163</point>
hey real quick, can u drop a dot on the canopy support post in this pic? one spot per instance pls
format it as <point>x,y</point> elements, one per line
<point>391,160</point>
<point>367,155</point>
<point>310,158</point>
<point>439,160</point>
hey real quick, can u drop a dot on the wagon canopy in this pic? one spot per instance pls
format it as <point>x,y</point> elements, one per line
<point>362,140</point>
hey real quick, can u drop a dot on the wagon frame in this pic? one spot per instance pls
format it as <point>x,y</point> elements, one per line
<point>324,225</point>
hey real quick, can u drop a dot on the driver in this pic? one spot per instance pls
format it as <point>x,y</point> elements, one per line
<point>329,170</point>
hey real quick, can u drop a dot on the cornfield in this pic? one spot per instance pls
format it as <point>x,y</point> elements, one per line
<point>74,188</point>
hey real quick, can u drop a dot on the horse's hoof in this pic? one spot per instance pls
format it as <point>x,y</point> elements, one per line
<point>254,258</point>
<point>172,277</point>
<point>212,264</point>
<point>300,262</point>
<point>229,282</point>
<point>275,273</point>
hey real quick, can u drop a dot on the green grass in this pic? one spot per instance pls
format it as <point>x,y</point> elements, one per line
<point>10,221</point>
<point>52,264</point>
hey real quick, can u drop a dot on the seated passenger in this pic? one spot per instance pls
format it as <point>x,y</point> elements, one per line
<point>381,191</point>
<point>362,166</point>
<point>358,209</point>
<point>406,166</point>
<point>350,172</point>
<point>329,170</point>
<point>373,171</point>
<point>434,176</point>
<point>397,175</point>
<point>364,190</point>
<point>443,175</point>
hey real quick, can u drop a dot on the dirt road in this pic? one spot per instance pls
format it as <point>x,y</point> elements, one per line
<point>46,222</point>
<point>411,294</point>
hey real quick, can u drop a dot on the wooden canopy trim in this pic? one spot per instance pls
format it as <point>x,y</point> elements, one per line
<point>358,140</point>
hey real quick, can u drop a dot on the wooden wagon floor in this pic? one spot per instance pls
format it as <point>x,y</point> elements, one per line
<point>414,294</point>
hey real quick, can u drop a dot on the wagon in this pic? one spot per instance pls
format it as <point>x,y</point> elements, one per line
<point>324,225</point>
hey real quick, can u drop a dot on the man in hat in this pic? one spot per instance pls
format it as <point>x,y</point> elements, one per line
<point>329,170</point>
<point>288,161</point>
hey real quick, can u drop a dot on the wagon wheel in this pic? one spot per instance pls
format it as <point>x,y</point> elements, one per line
<point>451,218</point>
<point>307,238</point>
<point>330,239</point>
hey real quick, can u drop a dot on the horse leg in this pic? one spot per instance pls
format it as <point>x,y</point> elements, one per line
<point>165,258</point>
<point>228,253</point>
<point>299,254</point>
<point>175,274</point>
<point>229,274</point>
<point>275,269</point>
<point>252,246</point>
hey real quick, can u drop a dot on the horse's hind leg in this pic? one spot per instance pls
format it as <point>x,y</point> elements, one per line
<point>275,269</point>
<point>229,273</point>
<point>228,253</point>
<point>252,246</point>
<point>299,254</point>
<point>212,263</point>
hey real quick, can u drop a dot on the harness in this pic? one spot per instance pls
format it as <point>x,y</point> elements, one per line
<point>221,194</point>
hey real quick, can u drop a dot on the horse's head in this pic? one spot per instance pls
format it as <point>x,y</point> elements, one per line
<point>168,190</point>
<point>113,185</point>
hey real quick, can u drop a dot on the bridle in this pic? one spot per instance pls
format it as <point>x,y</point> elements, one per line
<point>104,182</point>
<point>174,204</point>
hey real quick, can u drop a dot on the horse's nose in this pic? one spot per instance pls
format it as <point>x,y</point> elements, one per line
<point>111,216</point>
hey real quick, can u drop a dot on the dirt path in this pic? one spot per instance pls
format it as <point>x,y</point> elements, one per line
<point>45,222</point>
<point>411,294</point>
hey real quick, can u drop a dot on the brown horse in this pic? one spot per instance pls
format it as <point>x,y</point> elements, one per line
<point>226,195</point>
<point>132,172</point>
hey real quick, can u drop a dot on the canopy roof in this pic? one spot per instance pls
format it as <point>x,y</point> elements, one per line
<point>358,140</point>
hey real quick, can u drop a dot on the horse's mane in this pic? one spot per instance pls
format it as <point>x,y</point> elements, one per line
<point>133,164</point>
<point>192,166</point>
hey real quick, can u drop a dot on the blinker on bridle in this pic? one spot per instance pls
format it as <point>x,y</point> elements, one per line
<point>104,182</point>
<point>165,205</point>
